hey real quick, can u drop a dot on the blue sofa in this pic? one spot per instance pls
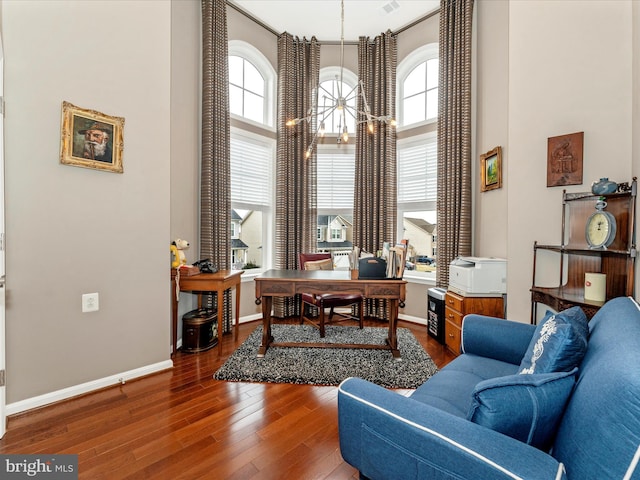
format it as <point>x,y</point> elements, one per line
<point>432,433</point>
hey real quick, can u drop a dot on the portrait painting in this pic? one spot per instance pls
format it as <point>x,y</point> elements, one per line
<point>91,139</point>
<point>491,170</point>
<point>564,159</point>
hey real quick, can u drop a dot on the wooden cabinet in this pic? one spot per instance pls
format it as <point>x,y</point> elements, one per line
<point>457,306</point>
<point>574,257</point>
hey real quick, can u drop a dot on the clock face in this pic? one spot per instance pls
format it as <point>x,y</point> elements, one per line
<point>601,229</point>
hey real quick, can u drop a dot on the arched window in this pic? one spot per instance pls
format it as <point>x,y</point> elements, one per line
<point>417,95</point>
<point>417,78</point>
<point>330,89</point>
<point>251,84</point>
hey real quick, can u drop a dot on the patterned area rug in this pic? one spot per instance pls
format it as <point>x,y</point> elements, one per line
<point>329,366</point>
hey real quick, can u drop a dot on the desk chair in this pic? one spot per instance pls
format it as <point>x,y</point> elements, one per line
<point>323,261</point>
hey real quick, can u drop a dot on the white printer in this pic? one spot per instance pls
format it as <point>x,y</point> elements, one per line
<point>478,276</point>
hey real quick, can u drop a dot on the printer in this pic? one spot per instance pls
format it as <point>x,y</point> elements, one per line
<point>478,276</point>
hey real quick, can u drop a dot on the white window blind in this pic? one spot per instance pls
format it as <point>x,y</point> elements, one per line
<point>417,172</point>
<point>250,171</point>
<point>336,172</point>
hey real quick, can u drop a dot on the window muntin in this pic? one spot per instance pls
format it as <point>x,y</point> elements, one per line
<point>420,94</point>
<point>335,120</point>
<point>246,89</point>
<point>252,85</point>
<point>418,86</point>
<point>330,79</point>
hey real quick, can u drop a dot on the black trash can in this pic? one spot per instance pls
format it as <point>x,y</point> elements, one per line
<point>199,330</point>
<point>435,313</point>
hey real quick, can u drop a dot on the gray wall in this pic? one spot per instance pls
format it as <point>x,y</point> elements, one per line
<point>72,230</point>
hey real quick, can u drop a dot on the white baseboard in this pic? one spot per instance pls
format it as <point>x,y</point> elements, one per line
<point>65,393</point>
<point>250,318</point>
<point>412,319</point>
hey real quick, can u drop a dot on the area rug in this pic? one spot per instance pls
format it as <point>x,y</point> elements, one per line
<point>329,366</point>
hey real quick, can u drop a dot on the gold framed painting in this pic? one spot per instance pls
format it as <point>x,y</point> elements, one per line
<point>91,139</point>
<point>491,170</point>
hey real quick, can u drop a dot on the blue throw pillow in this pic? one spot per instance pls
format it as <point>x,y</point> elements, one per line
<point>558,343</point>
<point>525,407</point>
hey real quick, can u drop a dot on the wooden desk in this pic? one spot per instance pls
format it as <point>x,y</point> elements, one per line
<point>205,282</point>
<point>286,283</point>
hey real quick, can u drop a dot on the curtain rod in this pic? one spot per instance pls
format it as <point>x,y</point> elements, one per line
<point>326,42</point>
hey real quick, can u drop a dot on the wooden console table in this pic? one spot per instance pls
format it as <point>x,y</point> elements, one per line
<point>205,283</point>
<point>287,283</point>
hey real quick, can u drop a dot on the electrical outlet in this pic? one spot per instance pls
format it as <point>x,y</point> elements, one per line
<point>90,302</point>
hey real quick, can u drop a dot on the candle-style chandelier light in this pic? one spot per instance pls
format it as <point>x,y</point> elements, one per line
<point>341,103</point>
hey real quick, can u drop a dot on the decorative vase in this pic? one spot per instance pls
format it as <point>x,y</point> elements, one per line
<point>604,186</point>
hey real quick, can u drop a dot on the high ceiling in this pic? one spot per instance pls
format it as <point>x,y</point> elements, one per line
<point>306,18</point>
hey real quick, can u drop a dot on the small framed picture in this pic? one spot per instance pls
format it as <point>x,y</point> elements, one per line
<point>491,170</point>
<point>91,139</point>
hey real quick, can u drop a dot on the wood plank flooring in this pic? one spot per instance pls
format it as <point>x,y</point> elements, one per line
<point>183,424</point>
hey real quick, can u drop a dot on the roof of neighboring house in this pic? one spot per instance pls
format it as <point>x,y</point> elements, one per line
<point>326,220</point>
<point>422,224</point>
<point>235,215</point>
<point>237,244</point>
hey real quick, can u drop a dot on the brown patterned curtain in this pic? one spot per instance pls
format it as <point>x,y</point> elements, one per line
<point>454,135</point>
<point>296,210</point>
<point>375,192</point>
<point>215,177</point>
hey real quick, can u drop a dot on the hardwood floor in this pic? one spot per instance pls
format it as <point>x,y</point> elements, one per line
<point>183,424</point>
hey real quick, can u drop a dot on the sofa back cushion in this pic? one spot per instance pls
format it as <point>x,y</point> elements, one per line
<point>599,436</point>
<point>558,344</point>
<point>525,407</point>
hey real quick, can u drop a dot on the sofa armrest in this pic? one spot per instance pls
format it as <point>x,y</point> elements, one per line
<point>386,435</point>
<point>495,338</point>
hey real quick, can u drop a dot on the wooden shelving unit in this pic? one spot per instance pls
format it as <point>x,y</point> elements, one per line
<point>575,257</point>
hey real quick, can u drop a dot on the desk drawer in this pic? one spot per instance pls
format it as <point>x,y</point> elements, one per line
<point>453,316</point>
<point>455,302</point>
<point>452,337</point>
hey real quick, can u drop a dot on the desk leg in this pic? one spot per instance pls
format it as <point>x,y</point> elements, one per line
<point>267,303</point>
<point>220,304</point>
<point>392,339</point>
<point>174,318</point>
<point>235,329</point>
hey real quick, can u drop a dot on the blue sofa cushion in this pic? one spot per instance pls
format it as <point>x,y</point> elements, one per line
<point>450,389</point>
<point>558,343</point>
<point>525,407</point>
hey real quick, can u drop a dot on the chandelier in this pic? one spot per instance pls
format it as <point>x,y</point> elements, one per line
<point>340,102</point>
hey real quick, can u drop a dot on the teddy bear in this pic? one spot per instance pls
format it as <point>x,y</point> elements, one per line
<point>177,252</point>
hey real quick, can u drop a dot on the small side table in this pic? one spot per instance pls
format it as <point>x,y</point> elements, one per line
<point>205,282</point>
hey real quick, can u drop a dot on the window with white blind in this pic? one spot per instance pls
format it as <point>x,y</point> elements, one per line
<point>417,171</point>
<point>417,196</point>
<point>252,164</point>
<point>334,194</point>
<point>336,170</point>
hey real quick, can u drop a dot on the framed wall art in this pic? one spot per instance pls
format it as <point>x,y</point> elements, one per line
<point>91,139</point>
<point>491,170</point>
<point>564,159</point>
